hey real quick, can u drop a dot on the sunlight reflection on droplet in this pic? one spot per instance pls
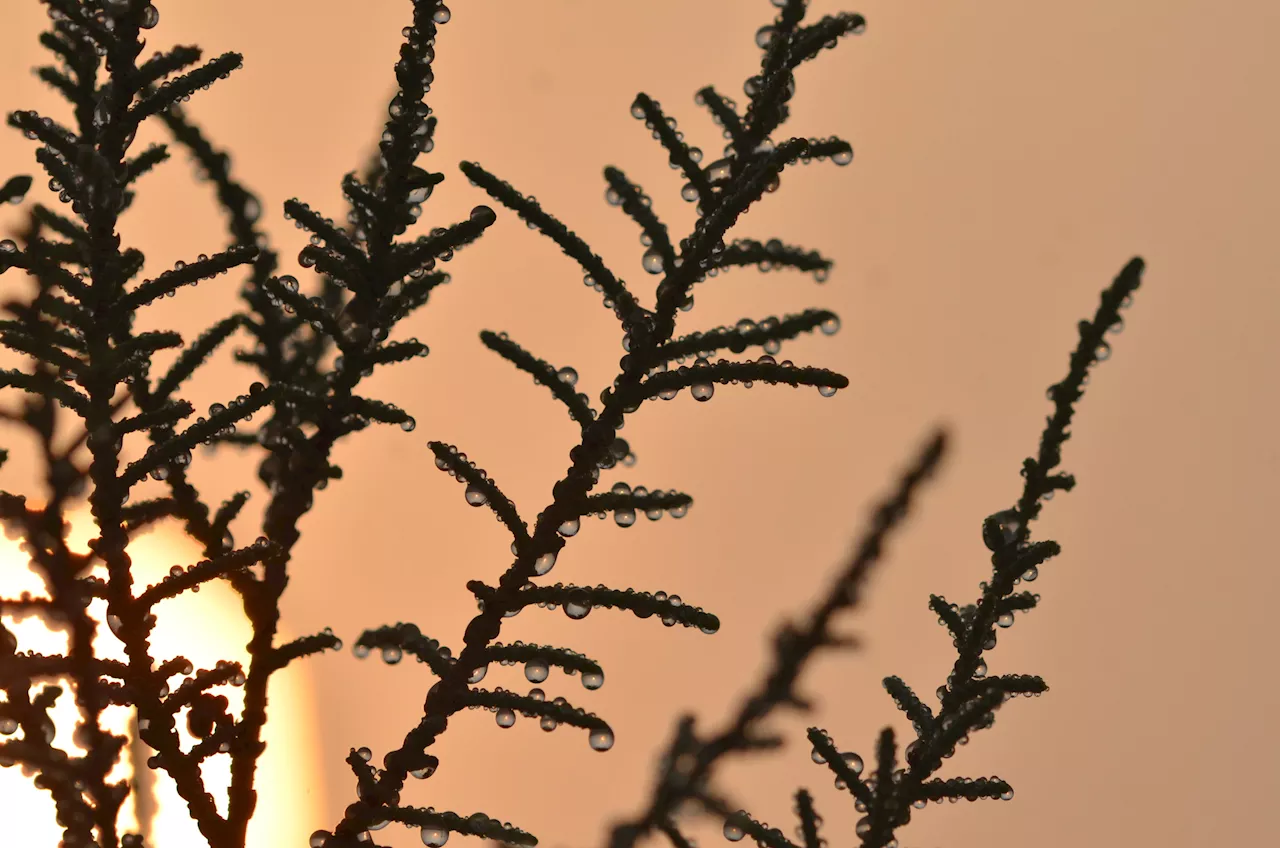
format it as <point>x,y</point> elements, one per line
<point>204,628</point>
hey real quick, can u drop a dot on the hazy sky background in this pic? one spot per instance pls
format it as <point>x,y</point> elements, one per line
<point>1010,158</point>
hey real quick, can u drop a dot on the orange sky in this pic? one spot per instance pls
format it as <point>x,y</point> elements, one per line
<point>1010,157</point>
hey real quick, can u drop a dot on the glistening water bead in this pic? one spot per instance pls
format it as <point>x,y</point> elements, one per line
<point>544,563</point>
<point>601,739</point>
<point>434,836</point>
<point>536,670</point>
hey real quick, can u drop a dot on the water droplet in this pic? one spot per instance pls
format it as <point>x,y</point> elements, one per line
<point>8,726</point>
<point>719,170</point>
<point>392,654</point>
<point>1007,795</point>
<point>150,17</point>
<point>592,679</point>
<point>624,516</point>
<point>475,496</point>
<point>506,717</point>
<point>478,674</point>
<point>441,16</point>
<point>544,563</point>
<point>113,621</point>
<point>830,326</point>
<point>536,670</point>
<point>548,723</point>
<point>601,739</point>
<point>1000,529</point>
<point>764,36</point>
<point>318,838</point>
<point>408,424</point>
<point>570,527</point>
<point>8,246</point>
<point>733,832</point>
<point>817,757</point>
<point>842,157</point>
<point>434,836</point>
<point>652,261</point>
<point>689,192</point>
<point>568,375</point>
<point>364,754</point>
<point>576,611</point>
<point>1102,352</point>
<point>863,827</point>
<point>1005,619</point>
<point>826,391</point>
<point>853,761</point>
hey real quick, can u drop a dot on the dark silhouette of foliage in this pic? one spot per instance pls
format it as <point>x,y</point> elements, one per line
<point>90,375</point>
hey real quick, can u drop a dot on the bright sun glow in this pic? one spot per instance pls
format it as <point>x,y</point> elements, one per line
<point>204,628</point>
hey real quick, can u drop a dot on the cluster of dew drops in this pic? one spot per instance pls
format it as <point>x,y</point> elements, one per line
<point>431,835</point>
<point>705,391</point>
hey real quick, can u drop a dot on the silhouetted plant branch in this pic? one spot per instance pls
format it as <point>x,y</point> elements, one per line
<point>968,700</point>
<point>88,389</point>
<point>732,186</point>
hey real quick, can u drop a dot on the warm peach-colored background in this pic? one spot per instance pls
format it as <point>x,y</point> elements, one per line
<point>1011,157</point>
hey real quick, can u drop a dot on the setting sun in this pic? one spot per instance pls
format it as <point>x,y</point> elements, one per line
<point>204,628</point>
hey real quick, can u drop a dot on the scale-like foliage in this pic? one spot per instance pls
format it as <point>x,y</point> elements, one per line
<point>966,702</point>
<point>77,330</point>
<point>87,395</point>
<point>725,189</point>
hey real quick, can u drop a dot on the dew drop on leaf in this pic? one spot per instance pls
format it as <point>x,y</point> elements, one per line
<point>601,739</point>
<point>543,564</point>
<point>434,836</point>
<point>536,670</point>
